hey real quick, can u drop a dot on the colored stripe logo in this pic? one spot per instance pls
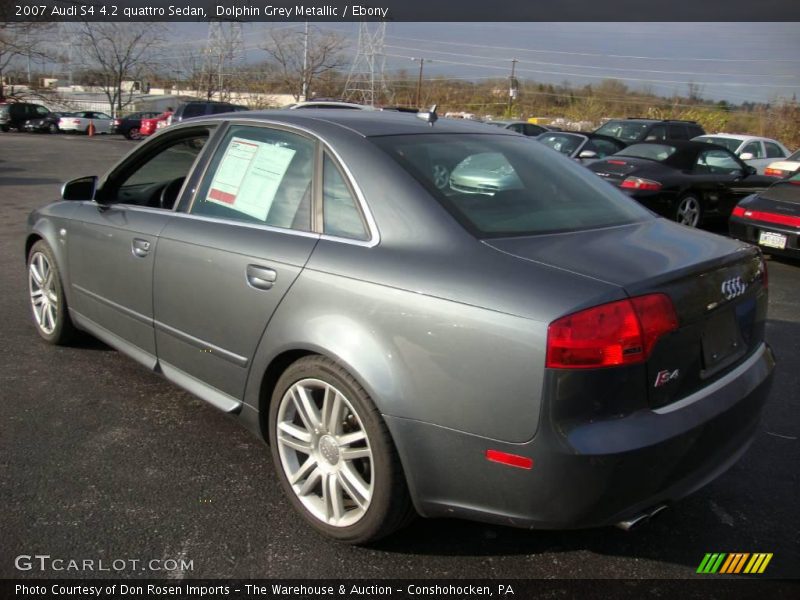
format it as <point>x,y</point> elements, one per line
<point>734,563</point>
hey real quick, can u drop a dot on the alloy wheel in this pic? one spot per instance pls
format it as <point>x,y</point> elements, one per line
<point>325,452</point>
<point>688,212</point>
<point>43,293</point>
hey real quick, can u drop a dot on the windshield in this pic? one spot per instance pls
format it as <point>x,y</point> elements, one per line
<point>728,143</point>
<point>627,131</point>
<point>657,152</point>
<point>497,185</point>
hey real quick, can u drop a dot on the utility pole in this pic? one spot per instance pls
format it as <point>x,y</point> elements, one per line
<point>419,80</point>
<point>512,85</point>
<point>305,63</point>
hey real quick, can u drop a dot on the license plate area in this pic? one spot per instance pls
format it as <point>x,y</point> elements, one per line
<point>770,239</point>
<point>722,342</point>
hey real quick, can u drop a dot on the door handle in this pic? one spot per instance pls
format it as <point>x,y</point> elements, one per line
<point>140,247</point>
<point>261,278</point>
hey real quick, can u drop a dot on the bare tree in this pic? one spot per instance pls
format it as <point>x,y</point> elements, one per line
<point>20,41</point>
<point>119,52</point>
<point>300,58</point>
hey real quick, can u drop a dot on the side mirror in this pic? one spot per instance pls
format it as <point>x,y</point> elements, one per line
<point>587,154</point>
<point>83,188</point>
<point>746,156</point>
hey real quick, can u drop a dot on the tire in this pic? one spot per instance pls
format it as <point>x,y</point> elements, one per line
<point>46,296</point>
<point>689,211</point>
<point>370,499</point>
<point>53,128</point>
<point>133,134</point>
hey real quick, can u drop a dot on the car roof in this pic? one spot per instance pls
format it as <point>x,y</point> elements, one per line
<point>364,122</point>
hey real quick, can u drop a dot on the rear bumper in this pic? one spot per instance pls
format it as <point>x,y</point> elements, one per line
<point>750,231</point>
<point>592,474</point>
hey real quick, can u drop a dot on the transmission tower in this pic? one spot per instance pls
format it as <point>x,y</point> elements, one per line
<point>366,81</point>
<point>224,49</point>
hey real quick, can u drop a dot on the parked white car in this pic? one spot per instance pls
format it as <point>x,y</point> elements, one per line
<point>79,122</point>
<point>756,151</point>
<point>782,168</point>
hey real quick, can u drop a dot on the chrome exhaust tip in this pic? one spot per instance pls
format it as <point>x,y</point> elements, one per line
<point>629,524</point>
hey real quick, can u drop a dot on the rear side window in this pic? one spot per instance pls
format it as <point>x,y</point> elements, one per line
<point>194,110</point>
<point>259,175</point>
<point>220,108</point>
<point>677,131</point>
<point>496,185</point>
<point>773,150</point>
<point>341,215</point>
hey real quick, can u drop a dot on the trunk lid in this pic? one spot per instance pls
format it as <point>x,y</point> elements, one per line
<point>617,168</point>
<point>715,284</point>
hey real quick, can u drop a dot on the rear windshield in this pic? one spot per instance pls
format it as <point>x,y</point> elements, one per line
<point>652,151</point>
<point>497,185</point>
<point>627,131</point>
<point>728,143</point>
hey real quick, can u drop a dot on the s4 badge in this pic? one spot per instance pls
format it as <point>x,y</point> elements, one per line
<point>664,377</point>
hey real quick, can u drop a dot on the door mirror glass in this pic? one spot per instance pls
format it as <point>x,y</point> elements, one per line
<point>587,154</point>
<point>83,188</point>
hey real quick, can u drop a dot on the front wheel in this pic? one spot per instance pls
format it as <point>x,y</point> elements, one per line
<point>47,299</point>
<point>134,134</point>
<point>333,453</point>
<point>689,211</point>
<point>53,128</point>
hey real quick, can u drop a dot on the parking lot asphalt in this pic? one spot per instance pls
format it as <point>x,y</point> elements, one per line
<point>102,459</point>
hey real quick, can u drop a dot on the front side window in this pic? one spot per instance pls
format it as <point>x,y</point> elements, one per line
<point>564,143</point>
<point>717,162</point>
<point>677,131</point>
<point>500,185</point>
<point>155,179</point>
<point>753,148</point>
<point>656,134</point>
<point>259,175</point>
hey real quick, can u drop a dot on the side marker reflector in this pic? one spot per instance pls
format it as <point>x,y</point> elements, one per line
<point>512,460</point>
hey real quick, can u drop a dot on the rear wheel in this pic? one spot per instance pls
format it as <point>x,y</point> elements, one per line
<point>689,211</point>
<point>134,134</point>
<point>47,299</point>
<point>53,128</point>
<point>334,455</point>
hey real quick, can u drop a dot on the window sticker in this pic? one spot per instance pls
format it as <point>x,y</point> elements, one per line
<point>249,175</point>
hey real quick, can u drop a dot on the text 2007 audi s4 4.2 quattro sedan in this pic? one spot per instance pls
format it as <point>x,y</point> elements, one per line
<point>549,354</point>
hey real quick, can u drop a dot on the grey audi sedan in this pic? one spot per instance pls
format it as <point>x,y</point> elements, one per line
<point>547,354</point>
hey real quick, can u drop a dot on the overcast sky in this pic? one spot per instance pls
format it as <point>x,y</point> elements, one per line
<point>731,61</point>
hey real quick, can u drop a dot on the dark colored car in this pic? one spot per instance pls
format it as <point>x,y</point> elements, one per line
<point>130,126</point>
<point>46,124</point>
<point>548,356</point>
<point>14,115</point>
<point>523,127</point>
<point>581,146</point>
<point>684,181</point>
<point>202,108</point>
<point>771,218</point>
<point>634,130</point>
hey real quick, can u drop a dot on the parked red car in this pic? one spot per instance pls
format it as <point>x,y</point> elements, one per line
<point>149,126</point>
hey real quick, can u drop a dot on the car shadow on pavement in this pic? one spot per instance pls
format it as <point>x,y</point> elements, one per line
<point>750,508</point>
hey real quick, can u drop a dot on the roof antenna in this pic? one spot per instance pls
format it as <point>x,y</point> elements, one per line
<point>430,117</point>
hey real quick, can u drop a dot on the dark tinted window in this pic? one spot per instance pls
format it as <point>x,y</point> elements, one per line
<point>694,130</point>
<point>194,110</point>
<point>602,147</point>
<point>677,131</point>
<point>729,143</point>
<point>656,134</point>
<point>773,150</point>
<point>503,186</point>
<point>220,108</point>
<point>530,129</point>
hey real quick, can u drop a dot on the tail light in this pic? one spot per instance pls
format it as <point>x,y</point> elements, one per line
<point>767,217</point>
<point>773,172</point>
<point>117,122</point>
<point>639,183</point>
<point>617,333</point>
